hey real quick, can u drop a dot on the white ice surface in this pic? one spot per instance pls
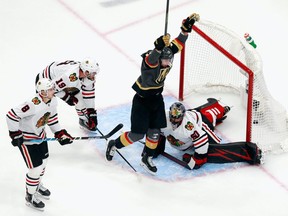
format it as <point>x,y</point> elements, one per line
<point>35,33</point>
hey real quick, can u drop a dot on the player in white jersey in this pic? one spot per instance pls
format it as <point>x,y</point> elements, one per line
<point>26,122</point>
<point>75,84</point>
<point>193,129</point>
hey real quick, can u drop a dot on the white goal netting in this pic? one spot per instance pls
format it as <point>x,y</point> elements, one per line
<point>216,59</point>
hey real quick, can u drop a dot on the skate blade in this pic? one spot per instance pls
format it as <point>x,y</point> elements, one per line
<point>33,207</point>
<point>146,168</point>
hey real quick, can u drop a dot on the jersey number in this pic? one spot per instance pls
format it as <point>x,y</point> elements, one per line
<point>60,83</point>
<point>67,62</point>
<point>195,135</point>
<point>25,108</point>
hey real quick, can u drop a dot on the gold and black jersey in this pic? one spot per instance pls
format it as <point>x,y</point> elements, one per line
<point>151,80</point>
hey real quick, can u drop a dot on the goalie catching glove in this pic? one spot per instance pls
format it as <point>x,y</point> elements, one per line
<point>195,161</point>
<point>162,41</point>
<point>63,137</point>
<point>188,23</point>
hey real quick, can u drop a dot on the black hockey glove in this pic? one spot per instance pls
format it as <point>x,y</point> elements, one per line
<point>70,99</point>
<point>92,118</point>
<point>63,137</point>
<point>162,41</point>
<point>188,23</point>
<point>17,138</point>
<point>195,161</point>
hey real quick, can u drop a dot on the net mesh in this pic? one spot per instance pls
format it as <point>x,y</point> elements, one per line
<point>206,69</point>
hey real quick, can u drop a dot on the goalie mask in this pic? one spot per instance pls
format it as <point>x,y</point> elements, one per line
<point>176,113</point>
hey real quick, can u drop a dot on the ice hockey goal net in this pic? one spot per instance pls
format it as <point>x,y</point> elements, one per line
<point>216,59</point>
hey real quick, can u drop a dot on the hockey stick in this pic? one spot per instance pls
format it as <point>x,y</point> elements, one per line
<point>119,152</point>
<point>113,131</point>
<point>170,157</point>
<point>166,17</point>
<point>176,160</point>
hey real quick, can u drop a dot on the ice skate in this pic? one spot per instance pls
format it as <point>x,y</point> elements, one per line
<point>147,164</point>
<point>33,202</point>
<point>110,151</point>
<point>84,125</point>
<point>43,192</point>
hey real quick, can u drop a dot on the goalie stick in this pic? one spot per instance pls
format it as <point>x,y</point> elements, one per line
<point>176,160</point>
<point>112,132</point>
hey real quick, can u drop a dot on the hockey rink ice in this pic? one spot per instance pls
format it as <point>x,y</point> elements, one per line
<point>116,32</point>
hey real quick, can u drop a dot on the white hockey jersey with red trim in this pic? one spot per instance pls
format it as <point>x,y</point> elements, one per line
<point>189,133</point>
<point>66,77</point>
<point>32,116</point>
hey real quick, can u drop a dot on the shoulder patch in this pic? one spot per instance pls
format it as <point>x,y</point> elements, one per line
<point>189,126</point>
<point>73,77</point>
<point>36,100</point>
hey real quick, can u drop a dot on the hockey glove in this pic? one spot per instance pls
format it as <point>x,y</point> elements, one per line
<point>92,119</point>
<point>17,138</point>
<point>195,161</point>
<point>188,23</point>
<point>162,41</point>
<point>70,99</point>
<point>63,137</point>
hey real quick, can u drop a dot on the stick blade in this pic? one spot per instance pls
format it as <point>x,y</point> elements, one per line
<point>113,131</point>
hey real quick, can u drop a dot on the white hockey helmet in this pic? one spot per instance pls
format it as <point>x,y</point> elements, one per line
<point>90,65</point>
<point>44,84</point>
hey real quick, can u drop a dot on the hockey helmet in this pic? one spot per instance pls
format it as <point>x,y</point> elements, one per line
<point>44,84</point>
<point>176,113</point>
<point>167,54</point>
<point>90,65</point>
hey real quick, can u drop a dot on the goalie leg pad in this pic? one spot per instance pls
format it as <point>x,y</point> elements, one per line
<point>234,152</point>
<point>213,111</point>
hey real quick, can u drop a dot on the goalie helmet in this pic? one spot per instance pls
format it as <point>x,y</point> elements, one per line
<point>176,113</point>
<point>90,65</point>
<point>44,85</point>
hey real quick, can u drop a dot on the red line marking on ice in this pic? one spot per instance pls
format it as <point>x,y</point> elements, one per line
<point>95,30</point>
<point>274,178</point>
<point>103,35</point>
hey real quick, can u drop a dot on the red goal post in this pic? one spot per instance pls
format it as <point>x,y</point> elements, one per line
<point>216,59</point>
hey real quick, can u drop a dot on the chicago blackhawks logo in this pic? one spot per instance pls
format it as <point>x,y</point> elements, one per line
<point>173,141</point>
<point>73,77</point>
<point>43,120</point>
<point>36,100</point>
<point>189,126</point>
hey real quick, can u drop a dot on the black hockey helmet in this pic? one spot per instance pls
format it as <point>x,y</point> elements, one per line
<point>167,54</point>
<point>176,113</point>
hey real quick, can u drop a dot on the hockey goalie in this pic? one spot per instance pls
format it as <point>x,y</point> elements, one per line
<point>193,129</point>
